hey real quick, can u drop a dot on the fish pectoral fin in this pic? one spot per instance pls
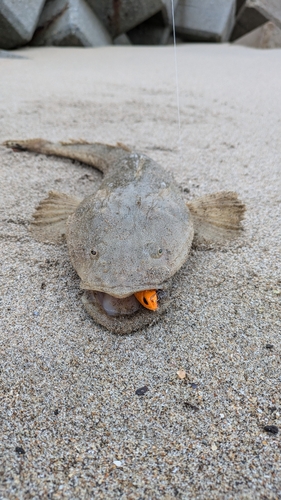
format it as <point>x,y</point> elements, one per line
<point>50,217</point>
<point>216,217</point>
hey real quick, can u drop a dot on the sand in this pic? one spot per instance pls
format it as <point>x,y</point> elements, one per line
<point>72,425</point>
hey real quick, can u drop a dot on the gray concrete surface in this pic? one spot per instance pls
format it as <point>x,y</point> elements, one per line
<point>18,19</point>
<point>70,23</point>
<point>154,31</point>
<point>239,4</point>
<point>120,16</point>
<point>253,14</point>
<point>209,20</point>
<point>267,36</point>
<point>122,40</point>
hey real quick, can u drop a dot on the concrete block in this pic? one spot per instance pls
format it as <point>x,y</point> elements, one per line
<point>267,36</point>
<point>207,20</point>
<point>154,31</point>
<point>168,5</point>
<point>18,20</point>
<point>255,13</point>
<point>120,16</point>
<point>239,4</point>
<point>70,23</point>
<point>122,40</point>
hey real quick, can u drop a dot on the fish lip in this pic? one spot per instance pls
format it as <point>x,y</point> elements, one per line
<point>129,293</point>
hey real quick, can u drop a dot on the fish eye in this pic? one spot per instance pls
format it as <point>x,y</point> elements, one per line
<point>94,253</point>
<point>154,252</point>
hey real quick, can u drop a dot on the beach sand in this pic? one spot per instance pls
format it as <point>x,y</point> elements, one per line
<point>72,425</point>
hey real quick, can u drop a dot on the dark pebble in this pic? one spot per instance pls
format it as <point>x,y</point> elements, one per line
<point>19,450</point>
<point>56,412</point>
<point>272,429</point>
<point>142,390</point>
<point>272,408</point>
<point>189,405</point>
<point>194,386</point>
<point>43,285</point>
<point>269,346</point>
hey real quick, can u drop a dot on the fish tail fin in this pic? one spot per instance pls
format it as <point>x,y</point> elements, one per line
<point>34,145</point>
<point>100,156</point>
<point>50,217</point>
<point>217,217</point>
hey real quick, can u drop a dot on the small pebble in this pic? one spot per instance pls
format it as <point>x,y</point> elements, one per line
<point>181,374</point>
<point>189,405</point>
<point>118,463</point>
<point>269,346</point>
<point>56,412</point>
<point>272,408</point>
<point>194,386</point>
<point>271,429</point>
<point>141,391</point>
<point>19,450</point>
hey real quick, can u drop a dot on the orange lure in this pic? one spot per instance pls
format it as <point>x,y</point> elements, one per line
<point>148,299</point>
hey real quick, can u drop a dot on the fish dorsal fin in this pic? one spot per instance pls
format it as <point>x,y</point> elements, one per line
<point>50,217</point>
<point>217,217</point>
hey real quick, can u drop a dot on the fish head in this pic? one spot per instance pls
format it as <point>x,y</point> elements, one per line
<point>121,242</point>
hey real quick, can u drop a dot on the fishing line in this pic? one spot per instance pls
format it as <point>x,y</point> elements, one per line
<point>176,74</point>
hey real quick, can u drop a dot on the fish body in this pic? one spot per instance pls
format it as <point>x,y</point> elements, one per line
<point>134,232</point>
<point>129,238</point>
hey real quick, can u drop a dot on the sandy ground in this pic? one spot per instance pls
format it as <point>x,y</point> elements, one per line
<point>72,425</point>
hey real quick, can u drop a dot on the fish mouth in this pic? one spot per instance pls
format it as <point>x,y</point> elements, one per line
<point>114,306</point>
<point>124,315</point>
<point>125,306</point>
